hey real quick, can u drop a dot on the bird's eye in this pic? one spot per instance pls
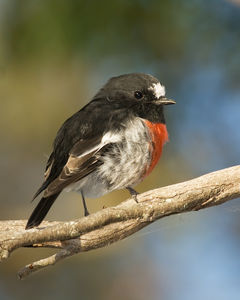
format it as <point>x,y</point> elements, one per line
<point>138,95</point>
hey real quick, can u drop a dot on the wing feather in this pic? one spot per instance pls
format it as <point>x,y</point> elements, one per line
<point>76,168</point>
<point>78,141</point>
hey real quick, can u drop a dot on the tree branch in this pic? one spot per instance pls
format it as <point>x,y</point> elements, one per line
<point>115,223</point>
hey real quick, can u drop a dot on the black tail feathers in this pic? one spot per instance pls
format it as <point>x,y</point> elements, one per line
<point>40,211</point>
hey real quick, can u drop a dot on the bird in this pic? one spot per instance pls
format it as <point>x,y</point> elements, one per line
<point>112,143</point>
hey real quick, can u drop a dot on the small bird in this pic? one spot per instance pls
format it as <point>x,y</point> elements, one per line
<point>112,143</point>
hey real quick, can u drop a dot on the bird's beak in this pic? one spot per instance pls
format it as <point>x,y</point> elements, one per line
<point>164,101</point>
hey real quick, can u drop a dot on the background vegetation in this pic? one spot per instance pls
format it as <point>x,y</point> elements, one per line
<point>54,55</point>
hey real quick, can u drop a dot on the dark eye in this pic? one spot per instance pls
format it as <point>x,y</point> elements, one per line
<point>138,95</point>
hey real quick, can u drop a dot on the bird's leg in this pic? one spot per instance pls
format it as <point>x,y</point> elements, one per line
<point>133,193</point>
<point>86,212</point>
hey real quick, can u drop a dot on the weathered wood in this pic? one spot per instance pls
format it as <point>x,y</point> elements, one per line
<point>115,223</point>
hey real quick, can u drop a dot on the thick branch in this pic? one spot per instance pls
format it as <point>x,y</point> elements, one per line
<point>113,224</point>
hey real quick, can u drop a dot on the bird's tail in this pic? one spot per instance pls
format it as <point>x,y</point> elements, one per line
<point>41,210</point>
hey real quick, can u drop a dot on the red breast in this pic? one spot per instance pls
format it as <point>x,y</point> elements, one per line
<point>159,135</point>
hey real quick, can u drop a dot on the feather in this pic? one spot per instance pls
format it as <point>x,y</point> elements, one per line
<point>41,210</point>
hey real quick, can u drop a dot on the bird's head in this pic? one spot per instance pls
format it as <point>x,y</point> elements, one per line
<point>135,88</point>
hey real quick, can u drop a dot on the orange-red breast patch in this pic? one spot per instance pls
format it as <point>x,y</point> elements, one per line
<point>159,138</point>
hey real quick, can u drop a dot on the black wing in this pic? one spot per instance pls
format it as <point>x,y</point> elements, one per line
<point>80,134</point>
<point>75,151</point>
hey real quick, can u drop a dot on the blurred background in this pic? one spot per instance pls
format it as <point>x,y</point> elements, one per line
<point>54,56</point>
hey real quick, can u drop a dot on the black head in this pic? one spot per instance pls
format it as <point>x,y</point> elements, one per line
<point>135,87</point>
<point>141,93</point>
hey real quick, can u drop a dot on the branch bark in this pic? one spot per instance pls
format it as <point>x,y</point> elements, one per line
<point>115,223</point>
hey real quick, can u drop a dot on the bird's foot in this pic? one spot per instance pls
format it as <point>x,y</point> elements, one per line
<point>86,212</point>
<point>133,193</point>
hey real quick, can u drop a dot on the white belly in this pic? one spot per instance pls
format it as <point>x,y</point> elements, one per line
<point>123,166</point>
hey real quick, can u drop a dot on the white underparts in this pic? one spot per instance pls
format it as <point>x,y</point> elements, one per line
<point>123,165</point>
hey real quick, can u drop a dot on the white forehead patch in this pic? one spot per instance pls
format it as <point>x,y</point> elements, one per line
<point>158,90</point>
